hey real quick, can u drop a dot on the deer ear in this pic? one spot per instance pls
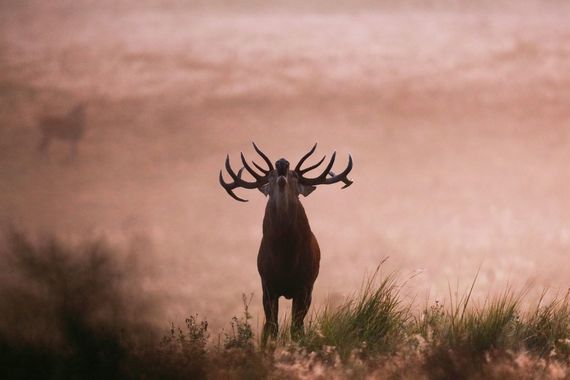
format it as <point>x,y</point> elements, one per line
<point>264,189</point>
<point>305,189</point>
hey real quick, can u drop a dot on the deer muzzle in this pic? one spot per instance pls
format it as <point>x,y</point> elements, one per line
<point>282,168</point>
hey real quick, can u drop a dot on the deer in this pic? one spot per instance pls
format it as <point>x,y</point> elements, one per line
<point>289,255</point>
<point>69,127</point>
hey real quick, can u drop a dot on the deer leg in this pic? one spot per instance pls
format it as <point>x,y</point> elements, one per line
<point>271,309</point>
<point>301,304</point>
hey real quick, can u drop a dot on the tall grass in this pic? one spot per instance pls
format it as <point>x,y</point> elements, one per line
<point>470,328</point>
<point>373,320</point>
<point>546,328</point>
<point>374,333</point>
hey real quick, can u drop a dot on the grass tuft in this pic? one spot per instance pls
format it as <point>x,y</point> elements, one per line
<point>373,321</point>
<point>546,329</point>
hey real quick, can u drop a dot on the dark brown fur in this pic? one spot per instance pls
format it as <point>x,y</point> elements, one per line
<point>289,257</point>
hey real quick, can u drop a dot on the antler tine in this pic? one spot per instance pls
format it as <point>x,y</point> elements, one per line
<point>342,176</point>
<point>264,171</point>
<point>322,177</point>
<point>265,158</point>
<point>303,171</point>
<point>345,180</point>
<point>229,187</point>
<point>323,180</point>
<point>238,181</point>
<point>302,160</point>
<point>328,168</point>
<point>249,169</point>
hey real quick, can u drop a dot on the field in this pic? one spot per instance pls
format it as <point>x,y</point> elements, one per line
<point>79,313</point>
<point>457,117</point>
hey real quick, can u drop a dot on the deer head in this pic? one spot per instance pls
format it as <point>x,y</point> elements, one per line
<point>281,183</point>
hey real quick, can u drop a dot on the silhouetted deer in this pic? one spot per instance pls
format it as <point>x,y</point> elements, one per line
<point>289,255</point>
<point>70,128</point>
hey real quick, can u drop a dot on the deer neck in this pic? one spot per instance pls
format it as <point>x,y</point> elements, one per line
<point>285,217</point>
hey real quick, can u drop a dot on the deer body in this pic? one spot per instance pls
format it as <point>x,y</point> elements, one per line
<point>289,255</point>
<point>288,263</point>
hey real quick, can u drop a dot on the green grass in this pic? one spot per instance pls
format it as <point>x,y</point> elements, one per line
<point>373,320</point>
<point>546,328</point>
<point>467,327</point>
<point>374,333</point>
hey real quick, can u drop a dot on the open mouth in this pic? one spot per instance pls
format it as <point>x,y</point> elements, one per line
<point>282,166</point>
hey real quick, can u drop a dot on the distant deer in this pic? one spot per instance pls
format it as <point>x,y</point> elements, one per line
<point>289,255</point>
<point>70,128</point>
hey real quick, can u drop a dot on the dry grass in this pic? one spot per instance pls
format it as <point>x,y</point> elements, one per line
<point>76,316</point>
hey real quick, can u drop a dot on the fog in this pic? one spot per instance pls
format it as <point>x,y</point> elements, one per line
<point>457,118</point>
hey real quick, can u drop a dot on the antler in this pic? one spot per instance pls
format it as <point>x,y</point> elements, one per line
<point>267,160</point>
<point>260,180</point>
<point>322,178</point>
<point>304,158</point>
<point>344,179</point>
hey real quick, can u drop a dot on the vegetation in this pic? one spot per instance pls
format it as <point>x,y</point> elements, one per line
<point>374,321</point>
<point>375,333</point>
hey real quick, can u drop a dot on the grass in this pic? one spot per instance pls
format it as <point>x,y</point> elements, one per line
<point>546,329</point>
<point>470,328</point>
<point>374,333</point>
<point>373,320</point>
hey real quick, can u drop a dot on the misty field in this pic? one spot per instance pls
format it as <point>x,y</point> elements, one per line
<point>77,313</point>
<point>457,116</point>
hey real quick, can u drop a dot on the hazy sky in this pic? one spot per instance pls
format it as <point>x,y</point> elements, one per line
<point>458,121</point>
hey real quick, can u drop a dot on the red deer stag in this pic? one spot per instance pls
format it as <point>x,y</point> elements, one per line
<point>69,127</point>
<point>289,255</point>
